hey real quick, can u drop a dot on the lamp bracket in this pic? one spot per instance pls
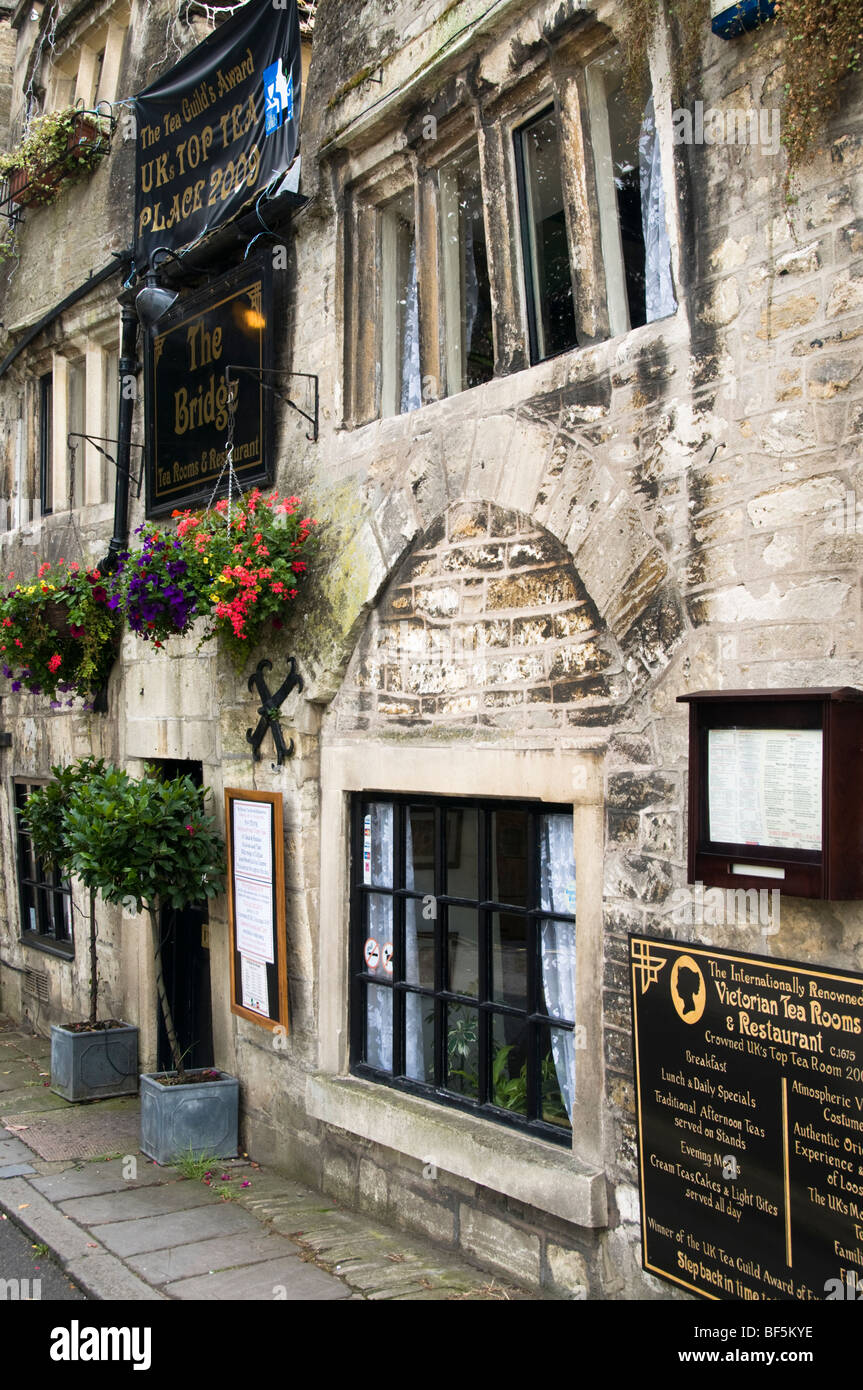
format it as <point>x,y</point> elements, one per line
<point>261,372</point>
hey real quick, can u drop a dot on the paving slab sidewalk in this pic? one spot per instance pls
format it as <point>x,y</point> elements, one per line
<point>123,1228</point>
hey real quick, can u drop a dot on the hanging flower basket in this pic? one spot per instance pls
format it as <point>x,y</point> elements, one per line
<point>57,635</point>
<point>240,571</point>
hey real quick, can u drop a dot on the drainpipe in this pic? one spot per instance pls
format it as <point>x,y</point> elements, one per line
<point>128,366</point>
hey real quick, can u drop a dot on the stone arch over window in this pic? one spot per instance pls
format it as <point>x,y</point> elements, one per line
<point>484,624</point>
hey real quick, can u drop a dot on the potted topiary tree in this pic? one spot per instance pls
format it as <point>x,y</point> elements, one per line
<point>94,1058</point>
<point>147,843</point>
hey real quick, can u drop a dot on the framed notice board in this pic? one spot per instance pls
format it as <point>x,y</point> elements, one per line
<point>774,790</point>
<point>256,903</point>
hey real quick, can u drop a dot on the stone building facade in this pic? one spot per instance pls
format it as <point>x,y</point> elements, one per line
<point>540,529</point>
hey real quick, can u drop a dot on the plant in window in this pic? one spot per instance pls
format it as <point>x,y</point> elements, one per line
<point>58,634</point>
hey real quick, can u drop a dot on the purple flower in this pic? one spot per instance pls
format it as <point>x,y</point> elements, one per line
<point>7,671</point>
<point>16,686</point>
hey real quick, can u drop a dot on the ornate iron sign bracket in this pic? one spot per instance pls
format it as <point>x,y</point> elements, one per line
<point>269,710</point>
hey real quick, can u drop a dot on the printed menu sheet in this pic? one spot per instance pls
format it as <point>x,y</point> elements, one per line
<point>764,787</point>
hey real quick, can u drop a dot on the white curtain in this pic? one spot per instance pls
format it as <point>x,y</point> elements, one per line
<point>557,945</point>
<point>658,288</point>
<point>411,395</point>
<point>381,926</point>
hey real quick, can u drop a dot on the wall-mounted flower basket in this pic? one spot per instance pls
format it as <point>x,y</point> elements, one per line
<point>28,188</point>
<point>59,146</point>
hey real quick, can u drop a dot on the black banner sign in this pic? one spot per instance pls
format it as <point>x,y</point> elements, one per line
<point>215,129</point>
<point>749,1084</point>
<point>189,398</point>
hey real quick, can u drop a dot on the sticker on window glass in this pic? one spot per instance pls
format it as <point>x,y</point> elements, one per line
<point>387,957</point>
<point>367,849</point>
<point>32,919</point>
<point>570,898</point>
<point>372,954</point>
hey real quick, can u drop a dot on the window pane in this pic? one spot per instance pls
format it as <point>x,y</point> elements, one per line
<point>378,936</point>
<point>546,244</point>
<point>624,127</point>
<point>557,894</point>
<point>419,1041</point>
<point>557,1076</point>
<point>46,443</point>
<point>401,386</point>
<point>419,945</point>
<point>462,951</point>
<point>467,289</point>
<point>378,1051</point>
<point>420,850</point>
<point>509,1064</point>
<point>509,857</point>
<point>557,865</point>
<point>75,405</point>
<point>377,847</point>
<point>462,853</point>
<point>509,959</point>
<point>462,1050</point>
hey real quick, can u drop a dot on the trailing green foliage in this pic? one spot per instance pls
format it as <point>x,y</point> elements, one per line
<point>823,44</point>
<point>59,146</point>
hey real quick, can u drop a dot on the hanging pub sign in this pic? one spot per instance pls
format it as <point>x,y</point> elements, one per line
<point>217,128</point>
<point>206,370</point>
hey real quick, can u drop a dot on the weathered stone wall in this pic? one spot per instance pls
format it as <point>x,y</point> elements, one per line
<point>542,563</point>
<point>485,617</point>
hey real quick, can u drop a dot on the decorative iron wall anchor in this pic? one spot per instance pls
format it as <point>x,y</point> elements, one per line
<point>269,710</point>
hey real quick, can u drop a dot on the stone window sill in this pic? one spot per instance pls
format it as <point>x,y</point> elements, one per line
<point>516,1165</point>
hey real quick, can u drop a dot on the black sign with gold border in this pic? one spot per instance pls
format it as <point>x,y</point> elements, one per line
<point>230,324</point>
<point>749,1093</point>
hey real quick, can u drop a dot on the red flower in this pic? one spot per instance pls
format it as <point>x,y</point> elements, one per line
<point>56,660</point>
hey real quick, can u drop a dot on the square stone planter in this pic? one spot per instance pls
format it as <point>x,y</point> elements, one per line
<point>199,1116</point>
<point>94,1065</point>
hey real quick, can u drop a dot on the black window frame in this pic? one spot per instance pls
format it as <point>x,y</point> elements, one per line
<point>523,197</point>
<point>43,891</point>
<point>46,435</point>
<point>536,1018</point>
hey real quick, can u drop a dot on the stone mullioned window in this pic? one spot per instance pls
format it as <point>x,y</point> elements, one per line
<point>507,229</point>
